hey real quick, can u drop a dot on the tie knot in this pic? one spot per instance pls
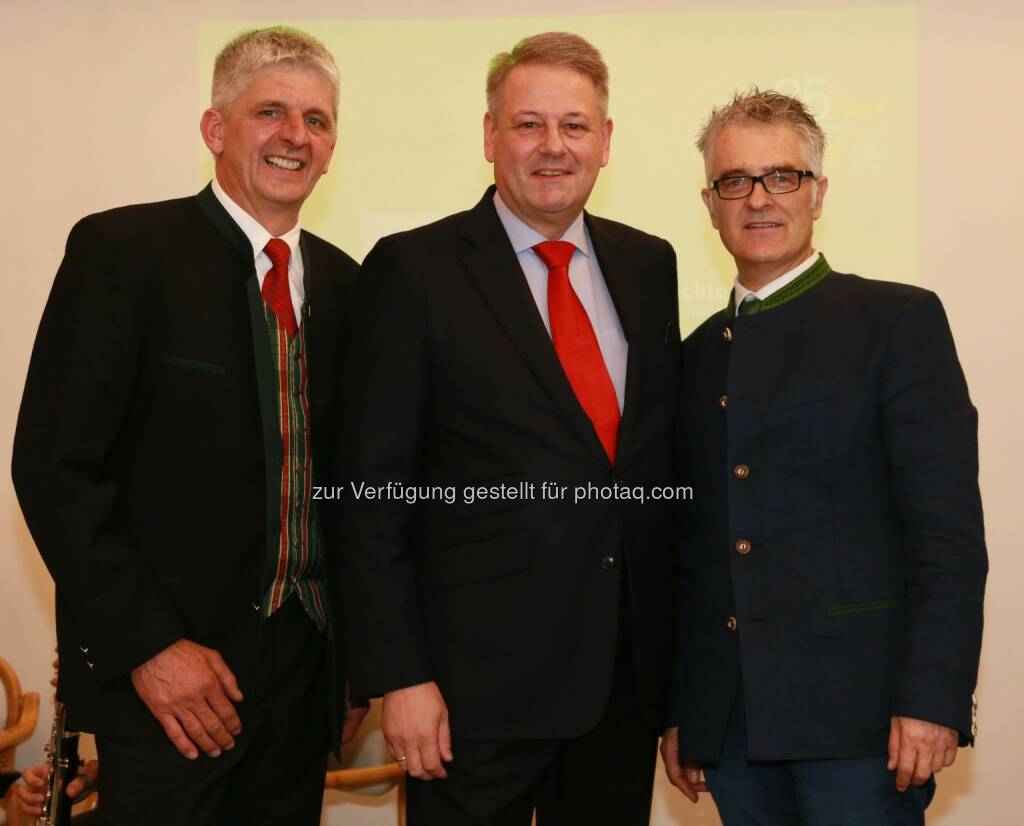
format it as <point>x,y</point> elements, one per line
<point>555,253</point>
<point>278,252</point>
<point>750,305</point>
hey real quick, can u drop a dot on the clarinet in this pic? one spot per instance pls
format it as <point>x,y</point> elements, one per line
<point>62,758</point>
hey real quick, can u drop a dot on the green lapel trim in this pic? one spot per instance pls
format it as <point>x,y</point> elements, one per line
<point>224,223</point>
<point>807,280</point>
<point>266,386</point>
<point>847,608</point>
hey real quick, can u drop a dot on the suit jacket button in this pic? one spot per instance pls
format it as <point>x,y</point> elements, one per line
<point>741,471</point>
<point>608,562</point>
<point>727,333</point>
<point>730,623</point>
<point>256,607</point>
<point>723,402</point>
<point>743,546</point>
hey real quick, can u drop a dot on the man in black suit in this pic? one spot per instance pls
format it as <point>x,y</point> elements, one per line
<point>513,372</point>
<point>180,402</point>
<point>833,557</point>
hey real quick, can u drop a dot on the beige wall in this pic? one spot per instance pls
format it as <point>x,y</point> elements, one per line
<point>99,109</point>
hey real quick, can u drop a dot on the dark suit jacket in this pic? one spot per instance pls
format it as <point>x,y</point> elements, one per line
<point>859,595</point>
<point>139,458</point>
<point>510,605</point>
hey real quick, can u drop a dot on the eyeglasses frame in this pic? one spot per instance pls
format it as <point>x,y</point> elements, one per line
<point>759,179</point>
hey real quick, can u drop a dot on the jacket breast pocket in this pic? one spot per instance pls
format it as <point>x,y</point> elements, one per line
<point>190,364</point>
<point>480,560</point>
<point>815,392</point>
<point>809,420</point>
<point>171,583</point>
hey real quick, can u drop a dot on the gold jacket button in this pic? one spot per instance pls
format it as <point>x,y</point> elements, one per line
<point>743,546</point>
<point>730,623</point>
<point>723,402</point>
<point>727,333</point>
<point>741,471</point>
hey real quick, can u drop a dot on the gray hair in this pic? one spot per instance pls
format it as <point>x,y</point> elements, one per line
<point>259,48</point>
<point>768,108</point>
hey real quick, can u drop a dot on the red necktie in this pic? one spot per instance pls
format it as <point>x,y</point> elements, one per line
<point>276,291</point>
<point>577,347</point>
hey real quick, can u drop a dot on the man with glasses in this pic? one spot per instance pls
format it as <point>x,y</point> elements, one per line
<point>833,558</point>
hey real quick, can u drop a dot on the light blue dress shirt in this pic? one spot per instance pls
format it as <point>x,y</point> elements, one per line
<point>587,281</point>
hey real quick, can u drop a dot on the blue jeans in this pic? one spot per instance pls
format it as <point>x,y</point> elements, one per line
<point>857,792</point>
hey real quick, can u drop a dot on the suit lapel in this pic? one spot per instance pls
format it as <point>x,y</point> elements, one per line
<point>226,226</point>
<point>319,319</point>
<point>491,262</point>
<point>622,286</point>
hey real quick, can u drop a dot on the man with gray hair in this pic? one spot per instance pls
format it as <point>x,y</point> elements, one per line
<point>178,408</point>
<point>833,557</point>
<point>525,353</point>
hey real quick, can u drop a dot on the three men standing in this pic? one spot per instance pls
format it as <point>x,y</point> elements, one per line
<point>833,562</point>
<point>179,403</point>
<point>521,644</point>
<point>833,557</point>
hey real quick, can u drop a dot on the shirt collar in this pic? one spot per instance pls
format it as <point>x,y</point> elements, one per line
<point>524,237</point>
<point>774,286</point>
<point>253,229</point>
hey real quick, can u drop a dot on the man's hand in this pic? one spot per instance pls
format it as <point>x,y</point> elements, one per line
<point>919,749</point>
<point>354,714</point>
<point>32,791</point>
<point>190,690</point>
<point>415,723</point>
<point>684,776</point>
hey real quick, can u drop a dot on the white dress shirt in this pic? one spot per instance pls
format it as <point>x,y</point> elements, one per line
<point>258,237</point>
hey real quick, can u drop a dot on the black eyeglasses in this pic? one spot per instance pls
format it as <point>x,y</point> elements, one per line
<point>776,182</point>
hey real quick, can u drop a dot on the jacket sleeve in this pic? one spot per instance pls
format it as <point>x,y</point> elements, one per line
<point>687,523</point>
<point>380,442</point>
<point>74,414</point>
<point>930,430</point>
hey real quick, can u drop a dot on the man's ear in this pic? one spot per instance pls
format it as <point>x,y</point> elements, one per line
<point>330,155</point>
<point>211,127</point>
<point>707,196</point>
<point>606,134</point>
<point>489,137</point>
<point>820,188</point>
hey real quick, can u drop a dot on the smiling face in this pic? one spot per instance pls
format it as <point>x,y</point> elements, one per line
<point>274,142</point>
<point>768,235</point>
<point>547,141</point>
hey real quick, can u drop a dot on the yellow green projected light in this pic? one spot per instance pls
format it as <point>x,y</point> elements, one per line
<point>412,103</point>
